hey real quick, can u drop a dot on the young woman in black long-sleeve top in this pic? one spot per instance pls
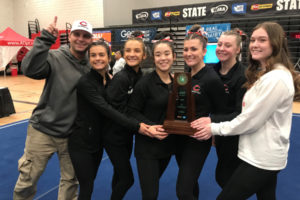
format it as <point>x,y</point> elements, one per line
<point>148,103</point>
<point>232,73</point>
<point>210,98</point>
<point>117,140</point>
<point>86,142</point>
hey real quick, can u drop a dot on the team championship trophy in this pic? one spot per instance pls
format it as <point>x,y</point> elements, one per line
<point>181,106</point>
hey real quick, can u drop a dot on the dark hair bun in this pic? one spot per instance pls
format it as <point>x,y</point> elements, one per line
<point>137,34</point>
<point>164,36</point>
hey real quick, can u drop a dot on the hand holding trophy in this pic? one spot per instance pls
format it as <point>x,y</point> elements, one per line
<point>181,106</point>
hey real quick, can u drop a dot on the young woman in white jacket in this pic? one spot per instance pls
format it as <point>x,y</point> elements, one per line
<point>265,122</point>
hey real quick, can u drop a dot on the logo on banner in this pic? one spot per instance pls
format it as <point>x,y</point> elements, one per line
<point>288,5</point>
<point>220,9</point>
<point>239,8</point>
<point>255,7</point>
<point>194,12</point>
<point>156,15</point>
<point>169,13</point>
<point>121,35</point>
<point>142,16</point>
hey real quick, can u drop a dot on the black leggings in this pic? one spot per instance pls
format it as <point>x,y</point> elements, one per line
<point>248,180</point>
<point>86,167</point>
<point>190,156</point>
<point>122,180</point>
<point>150,171</point>
<point>228,161</point>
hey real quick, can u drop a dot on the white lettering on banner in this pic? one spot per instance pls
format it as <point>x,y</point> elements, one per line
<point>220,9</point>
<point>125,33</point>
<point>98,35</point>
<point>18,43</point>
<point>288,5</point>
<point>194,12</point>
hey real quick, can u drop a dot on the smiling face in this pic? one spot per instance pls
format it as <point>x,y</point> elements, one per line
<point>193,52</point>
<point>79,42</point>
<point>134,53</point>
<point>260,46</point>
<point>163,57</point>
<point>98,58</point>
<point>227,48</point>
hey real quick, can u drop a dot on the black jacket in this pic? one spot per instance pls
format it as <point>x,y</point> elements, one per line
<point>148,104</point>
<point>233,83</point>
<point>94,113</point>
<point>118,92</point>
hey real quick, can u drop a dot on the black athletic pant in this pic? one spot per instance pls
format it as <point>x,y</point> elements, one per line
<point>86,167</point>
<point>228,161</point>
<point>150,171</point>
<point>190,156</point>
<point>123,179</point>
<point>248,180</point>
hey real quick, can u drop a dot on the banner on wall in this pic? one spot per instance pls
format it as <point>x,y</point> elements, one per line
<point>213,31</point>
<point>106,35</point>
<point>121,35</point>
<point>217,10</point>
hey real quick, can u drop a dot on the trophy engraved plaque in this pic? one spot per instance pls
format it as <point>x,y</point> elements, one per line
<point>181,106</point>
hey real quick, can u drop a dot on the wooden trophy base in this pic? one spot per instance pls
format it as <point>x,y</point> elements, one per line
<point>178,127</point>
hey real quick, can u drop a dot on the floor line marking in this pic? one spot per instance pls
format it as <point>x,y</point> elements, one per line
<point>54,188</point>
<point>14,124</point>
<point>26,102</point>
<point>42,195</point>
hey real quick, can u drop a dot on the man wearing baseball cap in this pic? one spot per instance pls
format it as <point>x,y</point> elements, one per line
<point>52,119</point>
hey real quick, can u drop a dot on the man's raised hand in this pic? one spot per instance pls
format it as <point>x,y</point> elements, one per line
<point>52,28</point>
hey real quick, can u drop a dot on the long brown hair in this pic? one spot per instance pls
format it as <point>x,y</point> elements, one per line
<point>280,54</point>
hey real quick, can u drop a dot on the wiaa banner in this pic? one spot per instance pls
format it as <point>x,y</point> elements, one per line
<point>217,10</point>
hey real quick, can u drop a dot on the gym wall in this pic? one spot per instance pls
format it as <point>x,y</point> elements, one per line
<point>17,13</point>
<point>6,14</point>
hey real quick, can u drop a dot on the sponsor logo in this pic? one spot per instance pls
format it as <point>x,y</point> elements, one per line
<point>220,9</point>
<point>156,15</point>
<point>125,33</point>
<point>261,6</point>
<point>169,13</point>
<point>239,8</point>
<point>142,16</point>
<point>194,12</point>
<point>288,5</point>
